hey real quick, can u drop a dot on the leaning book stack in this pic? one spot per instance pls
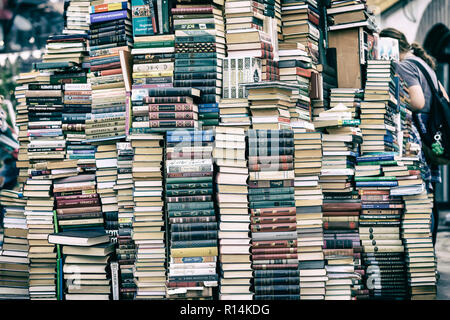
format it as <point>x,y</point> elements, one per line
<point>193,247</point>
<point>232,198</point>
<point>148,231</point>
<point>273,221</point>
<point>14,269</point>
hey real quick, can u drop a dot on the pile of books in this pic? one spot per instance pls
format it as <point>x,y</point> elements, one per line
<point>296,68</point>
<point>125,250</point>
<point>86,263</point>
<point>193,246</point>
<point>70,48</point>
<point>380,108</point>
<point>270,103</point>
<point>109,77</point>
<point>380,226</point>
<point>301,24</point>
<point>203,48</point>
<point>350,14</point>
<point>273,223</point>
<point>308,202</point>
<point>148,222</point>
<point>232,190</point>
<point>76,16</point>
<point>235,113</point>
<point>174,108</point>
<point>349,97</point>
<point>14,269</point>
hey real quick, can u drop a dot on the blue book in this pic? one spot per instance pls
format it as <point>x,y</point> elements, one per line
<point>208,110</point>
<point>108,16</point>
<point>143,17</point>
<point>380,157</point>
<point>363,184</point>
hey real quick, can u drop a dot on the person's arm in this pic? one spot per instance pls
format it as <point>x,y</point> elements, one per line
<point>416,97</point>
<point>444,93</point>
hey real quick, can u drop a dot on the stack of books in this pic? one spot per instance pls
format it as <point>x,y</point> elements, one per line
<point>46,145</point>
<point>419,249</point>
<point>232,190</point>
<point>76,16</point>
<point>193,246</point>
<point>109,77</point>
<point>235,113</point>
<point>168,109</point>
<point>349,97</point>
<point>66,48</point>
<point>273,222</point>
<point>201,66</point>
<point>14,270</point>
<point>86,263</point>
<point>77,106</point>
<point>296,68</point>
<point>148,222</point>
<point>349,14</point>
<point>270,103</point>
<point>308,202</point>
<point>125,251</point>
<point>380,108</point>
<point>153,61</point>
<point>380,221</point>
<point>301,24</point>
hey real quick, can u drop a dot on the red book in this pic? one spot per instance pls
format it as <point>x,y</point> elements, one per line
<point>172,115</point>
<point>277,219</point>
<point>340,225</point>
<point>313,18</point>
<point>351,206</point>
<point>172,123</point>
<point>275,244</point>
<point>171,107</point>
<point>274,256</point>
<point>269,159</point>
<point>79,210</point>
<point>77,203</point>
<point>373,192</point>
<point>271,167</point>
<point>274,227</point>
<point>105,66</point>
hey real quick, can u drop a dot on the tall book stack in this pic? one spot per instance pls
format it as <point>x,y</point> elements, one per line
<point>300,21</point>
<point>148,222</point>
<point>248,36</point>
<point>380,222</point>
<point>296,68</point>
<point>109,75</point>
<point>379,109</point>
<point>232,191</point>
<point>407,146</point>
<point>308,202</point>
<point>173,107</point>
<point>204,47</point>
<point>193,247</point>
<point>270,103</point>
<point>86,263</point>
<point>350,14</point>
<point>419,249</point>
<point>341,205</point>
<point>76,17</point>
<point>46,148</point>
<point>273,223</point>
<point>14,269</point>
<point>126,249</point>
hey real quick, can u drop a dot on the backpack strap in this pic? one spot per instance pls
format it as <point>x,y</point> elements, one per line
<point>436,91</point>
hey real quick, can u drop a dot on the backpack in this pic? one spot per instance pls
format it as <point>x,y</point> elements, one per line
<point>436,139</point>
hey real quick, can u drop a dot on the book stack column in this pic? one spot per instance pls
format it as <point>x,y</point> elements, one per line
<point>231,194</point>
<point>86,263</point>
<point>269,105</point>
<point>193,248</point>
<point>76,17</point>
<point>202,68</point>
<point>295,68</point>
<point>148,222</point>
<point>46,145</point>
<point>308,202</point>
<point>126,250</point>
<point>341,206</point>
<point>272,207</point>
<point>14,269</point>
<point>300,21</point>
